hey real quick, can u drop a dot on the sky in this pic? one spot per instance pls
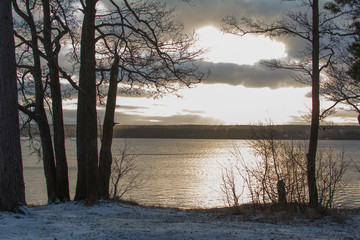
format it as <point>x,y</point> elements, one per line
<point>240,90</point>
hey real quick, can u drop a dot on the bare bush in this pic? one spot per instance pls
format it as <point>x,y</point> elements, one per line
<point>277,172</point>
<point>229,185</point>
<point>125,174</point>
<point>332,167</point>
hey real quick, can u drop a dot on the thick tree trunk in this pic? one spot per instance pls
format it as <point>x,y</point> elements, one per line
<point>88,183</point>
<point>62,182</point>
<point>315,116</point>
<point>12,190</point>
<point>105,151</point>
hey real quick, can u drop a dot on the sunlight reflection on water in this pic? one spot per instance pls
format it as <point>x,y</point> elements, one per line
<point>180,173</point>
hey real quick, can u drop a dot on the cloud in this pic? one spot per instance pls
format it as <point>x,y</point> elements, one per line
<point>210,12</point>
<point>180,119</point>
<point>254,76</point>
<point>203,13</point>
<point>128,115</point>
<point>344,116</point>
<point>134,119</point>
<point>124,107</point>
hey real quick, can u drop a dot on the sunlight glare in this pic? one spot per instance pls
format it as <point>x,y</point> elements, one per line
<point>224,103</point>
<point>246,50</point>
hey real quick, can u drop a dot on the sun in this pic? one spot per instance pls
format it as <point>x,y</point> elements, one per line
<point>245,50</point>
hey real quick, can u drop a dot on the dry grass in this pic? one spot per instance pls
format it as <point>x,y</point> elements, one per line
<point>281,213</point>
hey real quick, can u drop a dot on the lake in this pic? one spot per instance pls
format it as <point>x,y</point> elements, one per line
<point>182,173</point>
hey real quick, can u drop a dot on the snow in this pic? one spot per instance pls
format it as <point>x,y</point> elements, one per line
<point>106,220</point>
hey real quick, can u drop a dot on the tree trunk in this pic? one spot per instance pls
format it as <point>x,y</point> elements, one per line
<point>44,129</point>
<point>105,151</point>
<point>39,113</point>
<point>62,182</point>
<point>315,116</point>
<point>12,189</point>
<point>42,121</point>
<point>48,155</point>
<point>88,184</point>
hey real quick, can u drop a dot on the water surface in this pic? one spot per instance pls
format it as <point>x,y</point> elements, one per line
<point>184,173</point>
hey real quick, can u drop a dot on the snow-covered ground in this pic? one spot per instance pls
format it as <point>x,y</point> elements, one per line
<point>120,221</point>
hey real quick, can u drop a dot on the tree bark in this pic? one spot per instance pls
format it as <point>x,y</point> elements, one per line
<point>108,126</point>
<point>62,182</point>
<point>88,184</point>
<point>315,116</point>
<point>12,189</point>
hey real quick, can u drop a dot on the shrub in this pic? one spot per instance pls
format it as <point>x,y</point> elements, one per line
<point>277,172</point>
<point>125,174</point>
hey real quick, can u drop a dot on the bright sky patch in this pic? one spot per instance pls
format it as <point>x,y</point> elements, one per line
<point>229,48</point>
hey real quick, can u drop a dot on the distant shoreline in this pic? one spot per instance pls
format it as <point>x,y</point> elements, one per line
<point>296,132</point>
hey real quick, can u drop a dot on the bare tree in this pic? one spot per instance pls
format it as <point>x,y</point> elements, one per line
<point>30,69</point>
<point>12,190</point>
<point>52,47</point>
<point>41,27</point>
<point>322,36</point>
<point>139,44</point>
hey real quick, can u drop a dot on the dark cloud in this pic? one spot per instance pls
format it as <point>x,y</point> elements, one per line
<point>346,114</point>
<point>308,95</point>
<point>297,120</point>
<point>182,119</point>
<point>210,12</point>
<point>193,111</point>
<point>130,119</point>
<point>254,76</point>
<point>193,117</point>
<point>340,116</point>
<point>190,117</point>
<point>124,107</point>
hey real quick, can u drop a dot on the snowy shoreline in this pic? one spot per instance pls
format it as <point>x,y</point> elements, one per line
<point>107,220</point>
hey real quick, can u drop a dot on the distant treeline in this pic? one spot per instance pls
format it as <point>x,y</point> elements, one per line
<point>333,132</point>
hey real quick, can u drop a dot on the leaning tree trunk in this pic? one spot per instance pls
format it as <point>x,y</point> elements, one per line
<point>62,180</point>
<point>44,129</point>
<point>315,116</point>
<point>105,151</point>
<point>42,121</point>
<point>88,184</point>
<point>12,190</point>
